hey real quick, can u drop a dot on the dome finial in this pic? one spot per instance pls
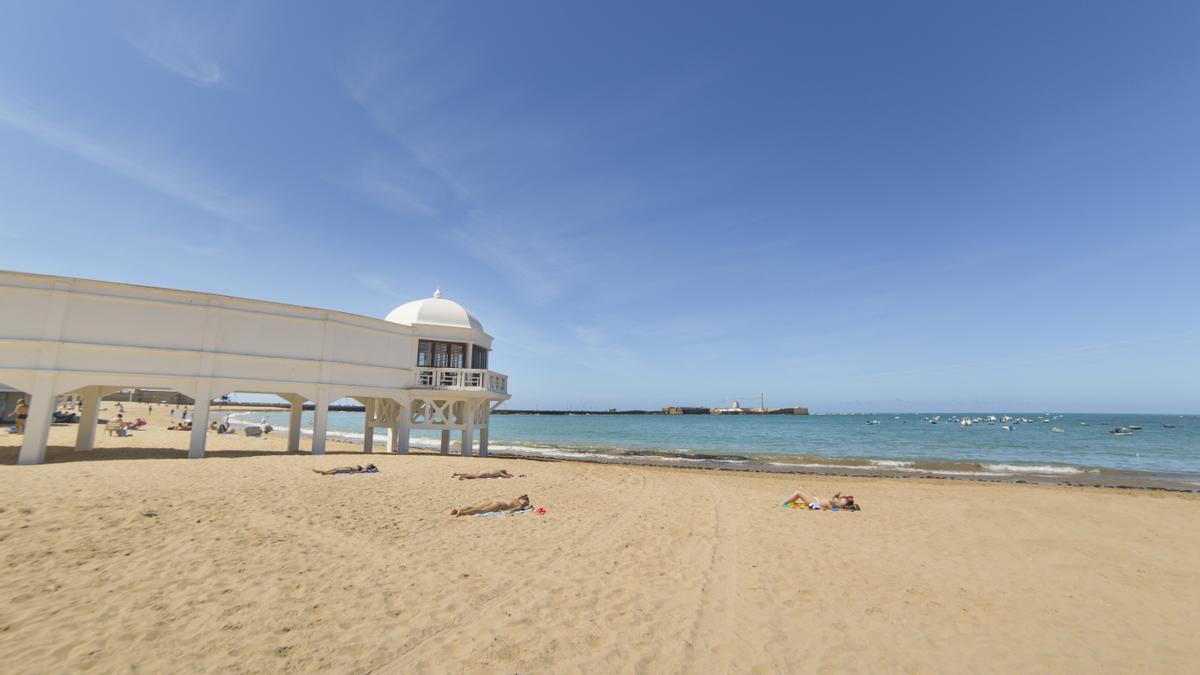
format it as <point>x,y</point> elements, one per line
<point>437,293</point>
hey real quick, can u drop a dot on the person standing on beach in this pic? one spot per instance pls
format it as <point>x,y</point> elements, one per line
<point>22,413</point>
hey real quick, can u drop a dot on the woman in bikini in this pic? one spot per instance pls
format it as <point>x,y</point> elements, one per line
<point>370,468</point>
<point>502,473</point>
<point>22,412</point>
<point>517,504</point>
<point>816,503</point>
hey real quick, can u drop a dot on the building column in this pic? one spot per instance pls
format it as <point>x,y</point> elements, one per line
<point>368,428</point>
<point>468,430</point>
<point>398,433</point>
<point>483,430</point>
<point>445,441</point>
<point>89,411</point>
<point>320,422</point>
<point>200,421</point>
<point>37,421</point>
<point>295,414</point>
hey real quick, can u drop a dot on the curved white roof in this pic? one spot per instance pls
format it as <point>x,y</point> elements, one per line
<point>435,311</point>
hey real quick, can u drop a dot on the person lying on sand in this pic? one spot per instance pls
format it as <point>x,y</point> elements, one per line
<point>837,501</point>
<point>517,504</point>
<point>502,473</point>
<point>370,468</point>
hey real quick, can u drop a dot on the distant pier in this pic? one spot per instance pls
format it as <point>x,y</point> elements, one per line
<point>669,410</point>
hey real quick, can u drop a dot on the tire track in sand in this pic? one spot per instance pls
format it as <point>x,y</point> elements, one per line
<point>715,635</point>
<point>488,610</point>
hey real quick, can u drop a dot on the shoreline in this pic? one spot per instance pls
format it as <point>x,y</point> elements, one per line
<point>760,468</point>
<point>963,470</point>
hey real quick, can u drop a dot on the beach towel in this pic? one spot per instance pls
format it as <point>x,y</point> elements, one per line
<point>527,509</point>
<point>806,507</point>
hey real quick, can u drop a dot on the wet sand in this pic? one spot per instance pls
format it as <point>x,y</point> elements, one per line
<point>133,558</point>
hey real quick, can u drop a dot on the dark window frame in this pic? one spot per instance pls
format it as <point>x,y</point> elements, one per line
<point>441,354</point>
<point>479,358</point>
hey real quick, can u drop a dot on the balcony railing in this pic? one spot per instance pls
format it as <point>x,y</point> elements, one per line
<point>465,379</point>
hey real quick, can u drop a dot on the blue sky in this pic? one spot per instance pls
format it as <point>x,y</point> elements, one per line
<point>850,206</point>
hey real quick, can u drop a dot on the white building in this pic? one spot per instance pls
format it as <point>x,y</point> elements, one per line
<point>424,366</point>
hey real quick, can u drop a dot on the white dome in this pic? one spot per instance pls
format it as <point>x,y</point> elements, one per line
<point>435,311</point>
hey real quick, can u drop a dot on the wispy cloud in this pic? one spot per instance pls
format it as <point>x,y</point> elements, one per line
<point>494,175</point>
<point>186,41</point>
<point>151,172</point>
<point>381,284</point>
<point>1032,358</point>
<point>406,187</point>
<point>540,266</point>
<point>181,58</point>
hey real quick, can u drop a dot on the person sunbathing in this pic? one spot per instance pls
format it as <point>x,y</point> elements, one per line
<point>496,505</point>
<point>502,473</point>
<point>370,468</point>
<point>816,503</point>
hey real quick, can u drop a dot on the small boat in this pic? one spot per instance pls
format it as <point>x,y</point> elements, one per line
<point>1134,427</point>
<point>1168,426</point>
<point>872,421</point>
<point>965,422</point>
<point>1056,430</point>
<point>1007,427</point>
<point>1083,424</point>
<point>1121,431</point>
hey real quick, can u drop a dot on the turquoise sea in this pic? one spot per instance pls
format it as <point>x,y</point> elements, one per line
<point>1166,448</point>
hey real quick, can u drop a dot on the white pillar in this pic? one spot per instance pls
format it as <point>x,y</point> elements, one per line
<point>200,421</point>
<point>368,428</point>
<point>445,441</point>
<point>398,433</point>
<point>320,422</point>
<point>294,420</point>
<point>468,430</point>
<point>89,410</point>
<point>483,430</point>
<point>37,421</point>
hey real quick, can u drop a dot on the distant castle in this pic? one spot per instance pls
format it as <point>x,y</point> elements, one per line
<point>735,409</point>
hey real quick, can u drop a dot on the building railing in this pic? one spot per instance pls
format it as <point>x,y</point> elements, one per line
<point>462,378</point>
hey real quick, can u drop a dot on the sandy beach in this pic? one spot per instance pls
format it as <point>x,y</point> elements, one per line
<point>134,559</point>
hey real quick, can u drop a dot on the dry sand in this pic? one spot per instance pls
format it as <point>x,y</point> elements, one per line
<point>140,560</point>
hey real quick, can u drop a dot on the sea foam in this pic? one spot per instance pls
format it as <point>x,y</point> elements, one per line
<point>1035,469</point>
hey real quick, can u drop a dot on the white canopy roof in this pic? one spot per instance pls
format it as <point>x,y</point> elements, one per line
<point>435,311</point>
